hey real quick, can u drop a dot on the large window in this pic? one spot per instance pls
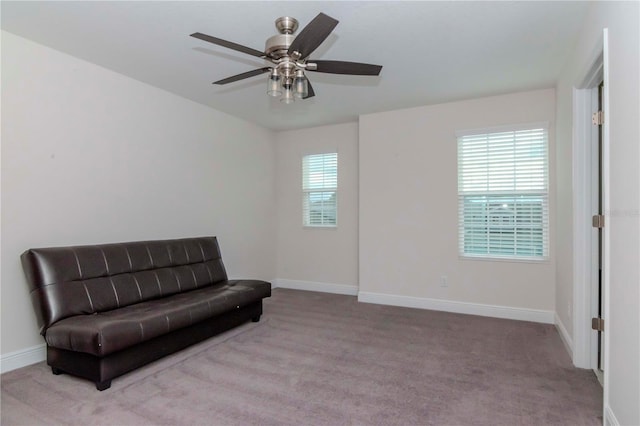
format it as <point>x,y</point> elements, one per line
<point>503,193</point>
<point>320,190</point>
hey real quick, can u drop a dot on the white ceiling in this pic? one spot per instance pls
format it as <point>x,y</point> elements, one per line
<point>432,52</point>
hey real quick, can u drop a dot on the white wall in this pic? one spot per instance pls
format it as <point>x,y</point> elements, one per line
<point>91,156</point>
<point>408,206</point>
<point>314,257</point>
<point>622,377</point>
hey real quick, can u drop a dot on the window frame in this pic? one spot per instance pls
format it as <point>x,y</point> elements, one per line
<point>306,191</point>
<point>517,196</point>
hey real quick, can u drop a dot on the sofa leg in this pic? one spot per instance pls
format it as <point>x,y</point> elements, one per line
<point>255,319</point>
<point>103,385</point>
<point>56,371</point>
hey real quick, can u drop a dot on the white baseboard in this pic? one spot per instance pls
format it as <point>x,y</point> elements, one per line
<point>564,335</point>
<point>22,358</point>
<point>350,290</point>
<point>522,314</point>
<point>609,419</point>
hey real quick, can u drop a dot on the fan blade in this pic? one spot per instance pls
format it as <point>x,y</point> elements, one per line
<point>310,92</point>
<point>313,35</point>
<point>242,76</point>
<point>229,45</point>
<point>342,67</point>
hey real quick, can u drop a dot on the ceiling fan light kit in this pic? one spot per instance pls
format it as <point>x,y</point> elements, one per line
<point>301,85</point>
<point>274,87</point>
<point>289,56</point>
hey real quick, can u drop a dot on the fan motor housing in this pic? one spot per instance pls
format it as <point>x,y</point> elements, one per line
<point>277,46</point>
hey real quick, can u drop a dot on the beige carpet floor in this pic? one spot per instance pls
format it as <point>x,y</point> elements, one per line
<point>322,359</point>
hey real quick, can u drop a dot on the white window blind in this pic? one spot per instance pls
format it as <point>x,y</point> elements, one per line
<point>503,194</point>
<point>320,190</point>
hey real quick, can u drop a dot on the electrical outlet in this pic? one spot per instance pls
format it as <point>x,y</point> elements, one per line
<point>444,282</point>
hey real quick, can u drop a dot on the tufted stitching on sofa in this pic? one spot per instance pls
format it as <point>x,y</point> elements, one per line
<point>173,272</point>
<point>77,263</point>
<point>155,274</point>
<point>115,292</point>
<point>169,253</point>
<point>186,252</point>
<point>201,251</point>
<point>209,271</point>
<point>128,257</point>
<point>193,274</point>
<point>138,286</point>
<point>150,256</point>
<point>86,290</point>
<point>106,263</point>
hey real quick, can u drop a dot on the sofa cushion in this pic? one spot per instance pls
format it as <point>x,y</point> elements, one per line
<point>69,281</point>
<point>106,332</point>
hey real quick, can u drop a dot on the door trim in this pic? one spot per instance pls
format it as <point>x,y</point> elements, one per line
<point>582,255</point>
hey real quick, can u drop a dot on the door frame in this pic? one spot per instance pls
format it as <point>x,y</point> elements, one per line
<point>597,71</point>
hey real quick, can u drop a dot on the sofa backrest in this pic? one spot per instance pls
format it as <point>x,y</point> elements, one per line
<point>67,281</point>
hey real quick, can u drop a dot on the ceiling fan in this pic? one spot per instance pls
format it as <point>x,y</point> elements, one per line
<point>289,55</point>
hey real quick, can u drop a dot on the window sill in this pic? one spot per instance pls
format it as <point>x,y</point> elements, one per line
<point>325,227</point>
<point>505,259</point>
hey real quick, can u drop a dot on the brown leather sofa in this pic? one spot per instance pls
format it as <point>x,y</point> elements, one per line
<point>105,310</point>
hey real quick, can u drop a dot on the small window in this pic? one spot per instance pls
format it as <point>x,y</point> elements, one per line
<point>320,190</point>
<point>503,194</point>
